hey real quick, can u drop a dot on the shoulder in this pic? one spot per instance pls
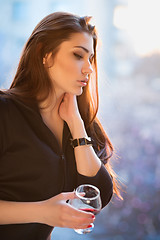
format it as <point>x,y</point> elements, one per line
<point>6,106</point>
<point>5,101</point>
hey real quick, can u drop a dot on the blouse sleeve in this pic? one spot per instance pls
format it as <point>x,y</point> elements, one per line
<point>102,180</point>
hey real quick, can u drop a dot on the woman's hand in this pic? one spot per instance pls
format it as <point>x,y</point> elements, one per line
<point>68,109</point>
<point>69,112</point>
<point>56,212</point>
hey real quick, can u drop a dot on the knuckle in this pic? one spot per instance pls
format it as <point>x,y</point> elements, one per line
<point>82,221</point>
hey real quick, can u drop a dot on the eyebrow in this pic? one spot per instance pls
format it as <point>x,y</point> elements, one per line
<point>85,49</point>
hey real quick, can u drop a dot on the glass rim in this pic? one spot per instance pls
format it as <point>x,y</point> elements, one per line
<point>87,198</point>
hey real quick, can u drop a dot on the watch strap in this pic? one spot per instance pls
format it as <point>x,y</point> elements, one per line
<point>81,142</point>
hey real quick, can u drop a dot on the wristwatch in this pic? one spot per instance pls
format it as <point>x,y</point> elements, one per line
<point>81,141</point>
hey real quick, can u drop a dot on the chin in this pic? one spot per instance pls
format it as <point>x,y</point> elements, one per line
<point>77,92</point>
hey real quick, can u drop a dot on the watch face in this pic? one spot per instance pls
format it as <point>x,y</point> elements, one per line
<point>82,141</point>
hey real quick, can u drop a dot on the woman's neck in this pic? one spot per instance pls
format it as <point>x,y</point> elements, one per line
<point>49,110</point>
<point>51,105</point>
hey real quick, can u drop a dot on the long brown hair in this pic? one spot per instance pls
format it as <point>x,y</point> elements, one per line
<point>32,83</point>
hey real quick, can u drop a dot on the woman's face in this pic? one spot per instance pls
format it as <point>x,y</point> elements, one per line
<point>71,66</point>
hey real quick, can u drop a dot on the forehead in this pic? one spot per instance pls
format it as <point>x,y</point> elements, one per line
<point>79,39</point>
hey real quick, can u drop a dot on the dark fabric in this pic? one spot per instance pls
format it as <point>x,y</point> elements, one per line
<point>34,168</point>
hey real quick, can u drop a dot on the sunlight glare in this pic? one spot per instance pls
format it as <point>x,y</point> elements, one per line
<point>140,19</point>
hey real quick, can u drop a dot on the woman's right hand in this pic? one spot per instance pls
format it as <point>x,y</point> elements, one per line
<point>56,212</point>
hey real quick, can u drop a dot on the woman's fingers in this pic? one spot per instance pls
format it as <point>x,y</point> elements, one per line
<point>69,195</point>
<point>68,109</point>
<point>66,196</point>
<point>56,212</point>
<point>74,218</point>
<point>80,213</point>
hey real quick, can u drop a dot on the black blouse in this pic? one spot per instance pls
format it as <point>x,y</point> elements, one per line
<point>34,168</point>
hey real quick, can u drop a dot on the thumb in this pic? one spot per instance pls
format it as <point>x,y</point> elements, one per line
<point>67,195</point>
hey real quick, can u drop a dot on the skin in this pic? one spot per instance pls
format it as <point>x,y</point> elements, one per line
<point>65,71</point>
<point>71,63</point>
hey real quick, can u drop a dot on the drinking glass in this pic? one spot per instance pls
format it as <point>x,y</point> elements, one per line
<point>87,199</point>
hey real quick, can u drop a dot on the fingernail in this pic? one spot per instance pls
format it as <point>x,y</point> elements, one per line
<point>89,226</point>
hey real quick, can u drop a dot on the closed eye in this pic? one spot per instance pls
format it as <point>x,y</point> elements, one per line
<point>78,56</point>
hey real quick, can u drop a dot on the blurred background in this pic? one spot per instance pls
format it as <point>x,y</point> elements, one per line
<point>129,86</point>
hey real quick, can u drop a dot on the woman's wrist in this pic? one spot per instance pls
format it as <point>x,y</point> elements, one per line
<point>40,212</point>
<point>78,129</point>
<point>20,212</point>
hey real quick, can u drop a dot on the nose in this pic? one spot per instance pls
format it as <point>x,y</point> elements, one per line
<point>87,68</point>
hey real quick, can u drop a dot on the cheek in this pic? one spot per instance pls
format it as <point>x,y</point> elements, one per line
<point>69,67</point>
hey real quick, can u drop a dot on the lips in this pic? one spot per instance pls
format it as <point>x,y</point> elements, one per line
<point>83,83</point>
<point>83,80</point>
<point>86,80</point>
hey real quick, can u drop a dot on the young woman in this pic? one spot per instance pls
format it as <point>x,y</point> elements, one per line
<point>47,117</point>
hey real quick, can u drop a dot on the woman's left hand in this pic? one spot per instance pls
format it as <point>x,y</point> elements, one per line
<point>68,109</point>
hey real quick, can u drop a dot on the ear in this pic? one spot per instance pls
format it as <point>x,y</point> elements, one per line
<point>47,60</point>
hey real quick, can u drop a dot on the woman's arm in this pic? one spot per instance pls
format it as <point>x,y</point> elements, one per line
<point>18,212</point>
<point>88,163</point>
<point>54,212</point>
<point>89,166</point>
